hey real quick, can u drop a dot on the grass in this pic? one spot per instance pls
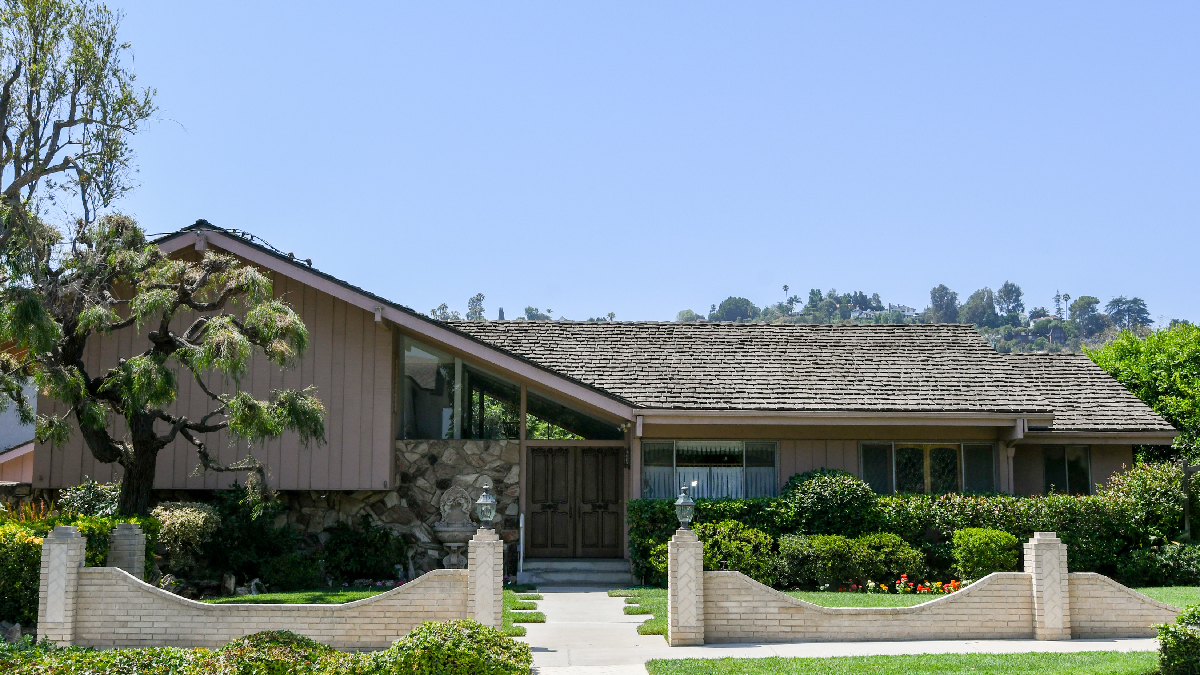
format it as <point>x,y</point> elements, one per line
<point>1082,663</point>
<point>835,599</point>
<point>646,601</point>
<point>1180,596</point>
<point>324,596</point>
<point>517,609</point>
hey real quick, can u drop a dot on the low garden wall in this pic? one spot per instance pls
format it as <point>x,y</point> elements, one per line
<point>1044,602</point>
<point>110,607</point>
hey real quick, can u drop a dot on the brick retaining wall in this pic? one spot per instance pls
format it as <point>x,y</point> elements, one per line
<point>1102,608</point>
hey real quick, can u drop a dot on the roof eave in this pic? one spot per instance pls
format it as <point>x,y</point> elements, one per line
<point>841,418</point>
<point>1098,436</point>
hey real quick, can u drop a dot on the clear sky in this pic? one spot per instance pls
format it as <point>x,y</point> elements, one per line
<point>645,157</point>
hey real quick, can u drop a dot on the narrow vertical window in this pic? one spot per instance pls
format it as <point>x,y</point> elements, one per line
<point>658,470</point>
<point>762,480</point>
<point>979,468</point>
<point>1079,469</point>
<point>877,467</point>
<point>943,469</point>
<point>1054,473</point>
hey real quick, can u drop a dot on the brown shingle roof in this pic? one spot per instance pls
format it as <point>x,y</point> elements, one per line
<point>729,366</point>
<point>1084,397</point>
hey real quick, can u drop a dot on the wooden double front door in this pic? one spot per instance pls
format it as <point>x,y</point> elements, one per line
<point>576,503</point>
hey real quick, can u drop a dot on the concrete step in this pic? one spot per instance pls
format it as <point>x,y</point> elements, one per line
<point>576,572</point>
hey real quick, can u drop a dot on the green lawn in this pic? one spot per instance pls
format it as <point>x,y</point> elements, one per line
<point>1083,663</point>
<point>835,599</point>
<point>325,596</point>
<point>1180,596</point>
<point>646,601</point>
<point>517,609</point>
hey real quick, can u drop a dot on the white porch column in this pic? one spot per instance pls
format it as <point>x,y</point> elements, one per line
<point>485,578</point>
<point>1046,561</point>
<point>62,556</point>
<point>685,589</point>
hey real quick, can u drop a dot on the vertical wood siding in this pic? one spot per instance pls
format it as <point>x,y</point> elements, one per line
<point>349,360</point>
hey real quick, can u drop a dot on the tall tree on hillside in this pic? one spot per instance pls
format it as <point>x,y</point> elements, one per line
<point>475,308</point>
<point>943,305</point>
<point>1008,299</point>
<point>735,309</point>
<point>1085,314</point>
<point>1128,312</point>
<point>980,309</point>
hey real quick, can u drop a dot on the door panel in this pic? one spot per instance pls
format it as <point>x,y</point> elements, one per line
<point>551,532</point>
<point>600,504</point>
<point>576,503</point>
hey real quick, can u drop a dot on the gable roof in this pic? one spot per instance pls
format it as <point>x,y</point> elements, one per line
<point>922,368</point>
<point>1084,397</point>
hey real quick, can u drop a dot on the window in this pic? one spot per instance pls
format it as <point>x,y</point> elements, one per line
<point>429,385</point>
<point>928,468</point>
<point>1068,469</point>
<point>718,468</point>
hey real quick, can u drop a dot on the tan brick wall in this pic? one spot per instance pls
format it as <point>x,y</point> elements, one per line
<point>115,610</point>
<point>1102,608</point>
<point>739,609</point>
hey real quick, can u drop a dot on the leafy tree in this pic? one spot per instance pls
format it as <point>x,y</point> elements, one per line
<point>814,299</point>
<point>943,305</point>
<point>533,314</point>
<point>443,313</point>
<point>687,316</point>
<point>475,308</point>
<point>980,309</point>
<point>108,279</point>
<point>1127,313</point>
<point>1008,299</point>
<point>1179,322</point>
<point>1038,313</point>
<point>735,309</point>
<point>1085,315</point>
<point>1163,370</point>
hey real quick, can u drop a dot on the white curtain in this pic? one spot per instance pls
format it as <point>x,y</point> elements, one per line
<point>712,481</point>
<point>658,482</point>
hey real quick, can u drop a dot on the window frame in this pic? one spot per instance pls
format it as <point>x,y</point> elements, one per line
<point>962,464</point>
<point>742,443</point>
<point>1087,451</point>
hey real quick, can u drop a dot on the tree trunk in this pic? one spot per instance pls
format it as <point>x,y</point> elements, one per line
<point>137,485</point>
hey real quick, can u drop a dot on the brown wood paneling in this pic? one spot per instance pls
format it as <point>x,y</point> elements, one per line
<point>380,474</point>
<point>599,505</point>
<point>351,432</point>
<point>321,334</point>
<point>551,531</point>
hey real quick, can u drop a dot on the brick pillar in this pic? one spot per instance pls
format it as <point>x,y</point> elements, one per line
<point>62,556</point>
<point>127,549</point>
<point>1046,561</point>
<point>485,578</point>
<point>685,589</point>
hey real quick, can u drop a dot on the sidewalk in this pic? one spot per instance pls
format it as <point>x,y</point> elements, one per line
<point>587,633</point>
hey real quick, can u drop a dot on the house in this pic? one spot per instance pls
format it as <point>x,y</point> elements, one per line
<point>570,420</point>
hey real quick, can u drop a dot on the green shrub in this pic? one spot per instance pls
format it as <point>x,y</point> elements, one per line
<point>364,552</point>
<point>20,567</point>
<point>883,557</point>
<point>185,527</point>
<point>293,571</point>
<point>832,504</point>
<point>248,538</point>
<point>90,498</point>
<point>730,545</point>
<point>833,560</point>
<point>461,647</point>
<point>795,561</point>
<point>1179,644</point>
<point>799,479</point>
<point>1172,564</point>
<point>980,551</point>
<point>269,653</point>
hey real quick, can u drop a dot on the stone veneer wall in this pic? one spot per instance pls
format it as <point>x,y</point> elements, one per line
<point>1103,608</point>
<point>739,609</point>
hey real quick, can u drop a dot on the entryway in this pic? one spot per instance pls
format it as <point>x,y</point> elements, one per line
<point>575,507</point>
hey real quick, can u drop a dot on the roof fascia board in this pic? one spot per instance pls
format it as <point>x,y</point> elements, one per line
<point>422,328</point>
<point>855,418</point>
<point>1100,437</point>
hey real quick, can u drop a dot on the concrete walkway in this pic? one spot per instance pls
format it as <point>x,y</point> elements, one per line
<point>587,633</point>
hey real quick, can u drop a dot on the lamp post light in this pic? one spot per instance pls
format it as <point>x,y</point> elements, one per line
<point>485,507</point>
<point>684,508</point>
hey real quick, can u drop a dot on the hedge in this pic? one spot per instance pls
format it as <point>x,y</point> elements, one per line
<point>1179,644</point>
<point>1140,511</point>
<point>459,647</point>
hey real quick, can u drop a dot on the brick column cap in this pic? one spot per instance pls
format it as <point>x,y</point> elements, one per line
<point>64,532</point>
<point>685,535</point>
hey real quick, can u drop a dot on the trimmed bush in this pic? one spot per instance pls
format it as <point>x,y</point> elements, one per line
<point>270,653</point>
<point>292,572</point>
<point>839,561</point>
<point>364,552</point>
<point>979,551</point>
<point>883,557</point>
<point>730,545</point>
<point>832,504</point>
<point>1172,564</point>
<point>799,479</point>
<point>90,498</point>
<point>249,538</point>
<point>185,528</point>
<point>462,647</point>
<point>795,561</point>
<point>1179,644</point>
<point>20,567</point>
<point>833,560</point>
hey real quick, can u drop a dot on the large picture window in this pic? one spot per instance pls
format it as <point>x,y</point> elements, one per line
<point>1068,469</point>
<point>734,469</point>
<point>929,468</point>
<point>429,385</point>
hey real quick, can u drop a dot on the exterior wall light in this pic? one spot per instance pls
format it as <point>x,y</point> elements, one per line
<point>684,509</point>
<point>485,507</point>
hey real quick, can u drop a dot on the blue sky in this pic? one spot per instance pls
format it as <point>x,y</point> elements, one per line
<point>642,158</point>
